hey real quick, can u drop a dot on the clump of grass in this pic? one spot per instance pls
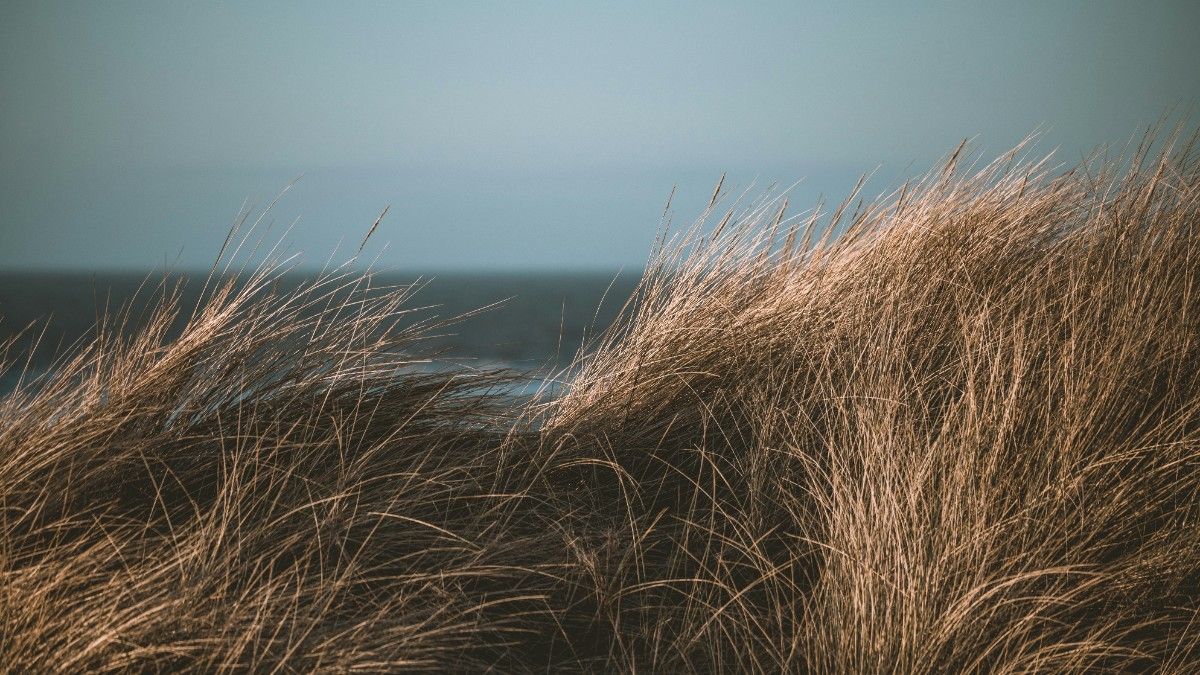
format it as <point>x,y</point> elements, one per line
<point>953,429</point>
<point>274,486</point>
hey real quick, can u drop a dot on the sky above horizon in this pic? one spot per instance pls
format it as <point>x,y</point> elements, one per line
<point>526,135</point>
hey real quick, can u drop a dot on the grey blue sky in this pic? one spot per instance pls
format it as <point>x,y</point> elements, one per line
<point>523,134</point>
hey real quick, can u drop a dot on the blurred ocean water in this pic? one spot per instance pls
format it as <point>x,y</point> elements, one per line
<point>539,323</point>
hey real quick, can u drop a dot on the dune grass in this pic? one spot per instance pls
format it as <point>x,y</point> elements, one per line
<point>954,429</point>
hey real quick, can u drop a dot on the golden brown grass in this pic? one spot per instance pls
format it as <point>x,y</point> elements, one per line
<point>963,434</point>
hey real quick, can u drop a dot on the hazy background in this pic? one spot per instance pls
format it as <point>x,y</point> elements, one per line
<point>521,135</point>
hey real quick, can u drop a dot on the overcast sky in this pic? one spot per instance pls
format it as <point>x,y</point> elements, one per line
<point>525,135</point>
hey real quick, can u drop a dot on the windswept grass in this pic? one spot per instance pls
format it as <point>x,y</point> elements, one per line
<point>955,429</point>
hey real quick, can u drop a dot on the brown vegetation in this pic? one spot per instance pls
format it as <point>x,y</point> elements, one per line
<point>961,435</point>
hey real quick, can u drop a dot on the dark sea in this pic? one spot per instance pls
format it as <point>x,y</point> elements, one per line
<point>540,323</point>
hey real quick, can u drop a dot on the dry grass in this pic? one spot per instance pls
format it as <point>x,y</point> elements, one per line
<point>962,435</point>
